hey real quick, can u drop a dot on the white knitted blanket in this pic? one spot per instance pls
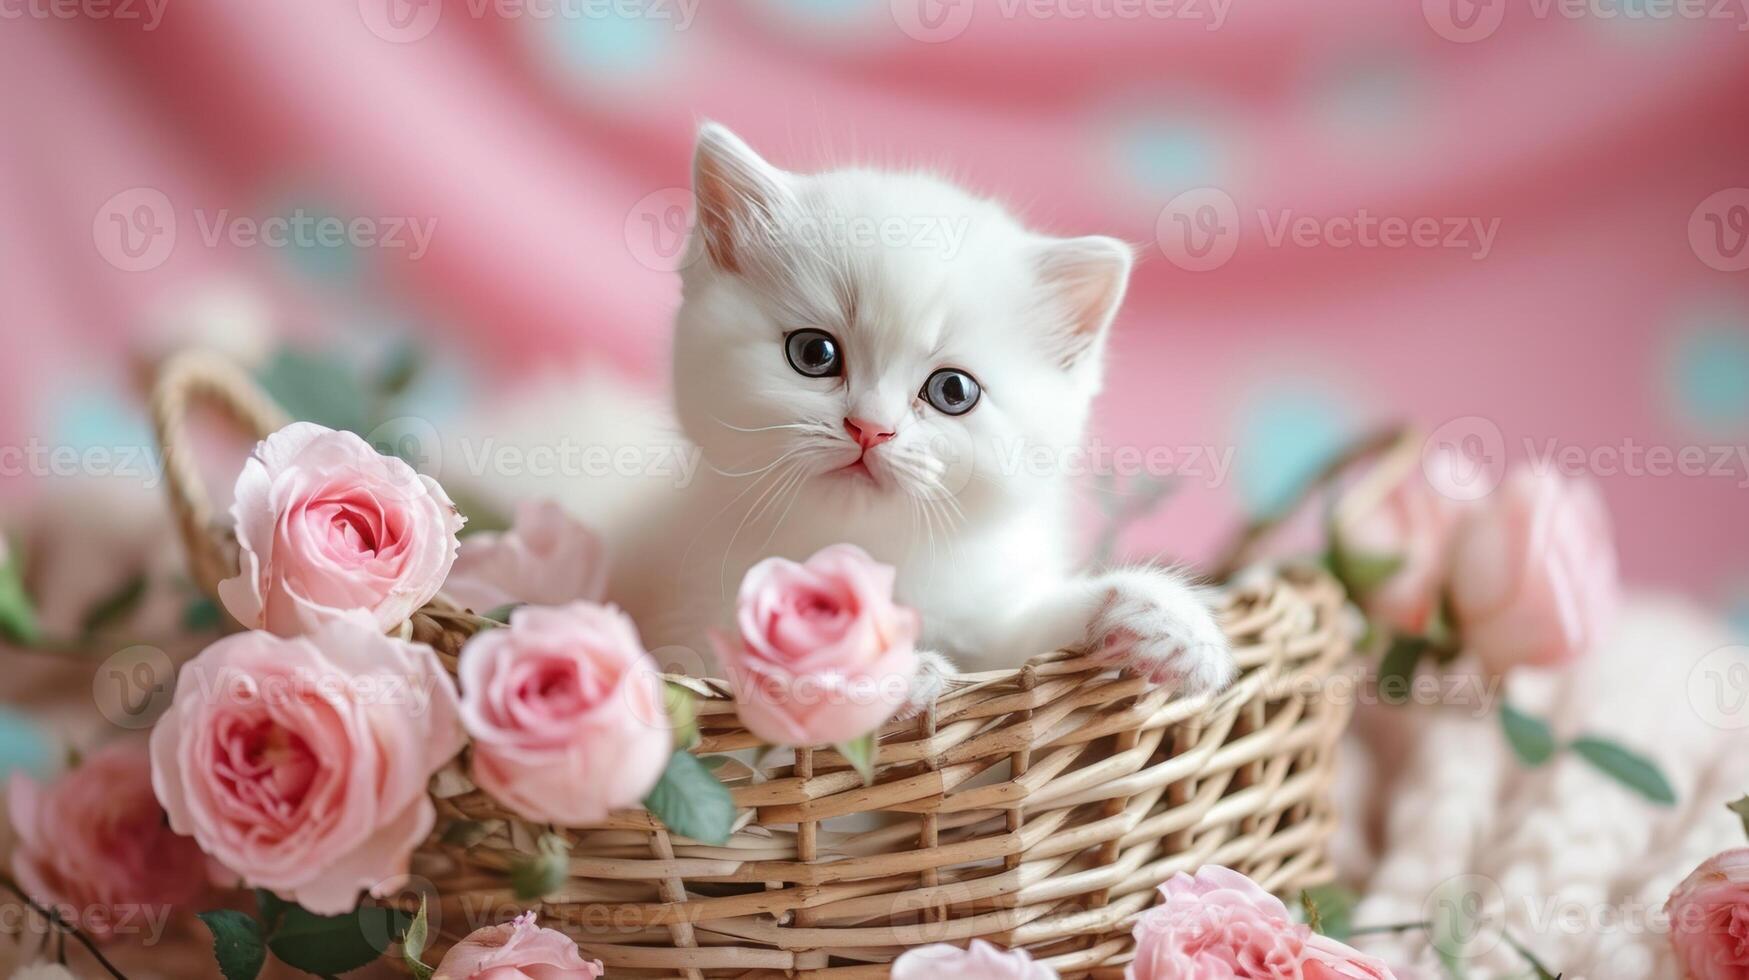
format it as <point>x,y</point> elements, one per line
<point>1573,866</point>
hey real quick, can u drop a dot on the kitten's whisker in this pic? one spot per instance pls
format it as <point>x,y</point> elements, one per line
<point>762,428</point>
<point>756,472</point>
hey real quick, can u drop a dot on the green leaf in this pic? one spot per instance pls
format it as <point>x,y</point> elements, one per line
<point>465,833</point>
<point>1530,737</point>
<point>861,753</point>
<point>202,615</point>
<point>270,907</point>
<point>1631,769</point>
<point>17,614</point>
<point>404,362</point>
<point>115,607</point>
<point>691,802</point>
<point>413,945</point>
<point>682,715</point>
<point>538,875</point>
<point>237,943</point>
<point>1741,809</point>
<point>1397,669</point>
<point>501,614</point>
<point>1329,910</point>
<point>317,387</point>
<point>1360,572</point>
<point>1538,970</point>
<point>329,945</point>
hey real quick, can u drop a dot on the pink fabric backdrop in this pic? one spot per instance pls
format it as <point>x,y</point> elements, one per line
<point>536,142</point>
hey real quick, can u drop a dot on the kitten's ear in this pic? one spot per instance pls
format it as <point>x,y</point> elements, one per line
<point>738,196</point>
<point>1087,276</point>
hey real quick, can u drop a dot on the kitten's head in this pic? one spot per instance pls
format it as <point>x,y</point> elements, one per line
<point>883,338</point>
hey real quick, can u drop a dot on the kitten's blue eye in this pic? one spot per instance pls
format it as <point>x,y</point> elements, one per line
<point>951,391</point>
<point>813,353</point>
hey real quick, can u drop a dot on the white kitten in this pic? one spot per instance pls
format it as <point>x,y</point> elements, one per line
<point>881,359</point>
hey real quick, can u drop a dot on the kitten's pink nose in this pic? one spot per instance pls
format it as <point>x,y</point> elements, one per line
<point>867,434</point>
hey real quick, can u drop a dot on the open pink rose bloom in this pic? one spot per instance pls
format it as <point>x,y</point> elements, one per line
<point>1709,918</point>
<point>327,526</point>
<point>301,763</point>
<point>823,655</point>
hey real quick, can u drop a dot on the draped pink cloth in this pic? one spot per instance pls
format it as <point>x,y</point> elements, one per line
<point>537,143</point>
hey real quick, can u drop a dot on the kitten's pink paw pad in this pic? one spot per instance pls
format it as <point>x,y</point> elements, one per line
<point>1165,634</point>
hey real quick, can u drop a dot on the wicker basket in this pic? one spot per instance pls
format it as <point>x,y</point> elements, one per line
<point>1038,807</point>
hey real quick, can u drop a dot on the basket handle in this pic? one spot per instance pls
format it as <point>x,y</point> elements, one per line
<point>184,380</point>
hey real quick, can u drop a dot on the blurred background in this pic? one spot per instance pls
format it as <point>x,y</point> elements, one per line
<point>1524,228</point>
<point>1521,227</point>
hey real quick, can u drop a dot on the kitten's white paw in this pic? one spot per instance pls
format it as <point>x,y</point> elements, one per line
<point>1160,627</point>
<point>933,670</point>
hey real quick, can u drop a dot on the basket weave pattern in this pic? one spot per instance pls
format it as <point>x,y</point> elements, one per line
<point>1038,807</point>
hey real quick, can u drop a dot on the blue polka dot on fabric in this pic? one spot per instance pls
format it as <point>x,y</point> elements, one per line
<point>1285,435</point>
<point>610,43</point>
<point>1708,372</point>
<point>1170,155</point>
<point>97,417</point>
<point>1366,93</point>
<point>24,747</point>
<point>822,10</point>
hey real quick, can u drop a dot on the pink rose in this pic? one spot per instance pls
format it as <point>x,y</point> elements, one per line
<point>567,713</point>
<point>1533,572</point>
<point>1327,959</point>
<point>824,655</point>
<point>981,961</point>
<point>1217,924</point>
<point>301,763</point>
<point>1409,520</point>
<point>547,558</point>
<point>1709,918</point>
<point>1220,925</point>
<point>326,525</point>
<point>94,846</point>
<point>517,950</point>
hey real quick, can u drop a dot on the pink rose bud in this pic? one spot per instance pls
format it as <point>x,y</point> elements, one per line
<point>546,558</point>
<point>1534,573</point>
<point>301,763</point>
<point>326,526</point>
<point>567,713</point>
<point>94,846</point>
<point>517,950</point>
<point>981,961</point>
<point>1408,520</point>
<point>1221,924</point>
<point>1327,959</point>
<point>1709,918</point>
<point>825,655</point>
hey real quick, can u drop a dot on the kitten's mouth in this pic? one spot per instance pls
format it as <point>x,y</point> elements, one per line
<point>857,469</point>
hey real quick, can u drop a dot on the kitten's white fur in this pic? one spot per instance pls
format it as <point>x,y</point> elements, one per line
<point>910,274</point>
